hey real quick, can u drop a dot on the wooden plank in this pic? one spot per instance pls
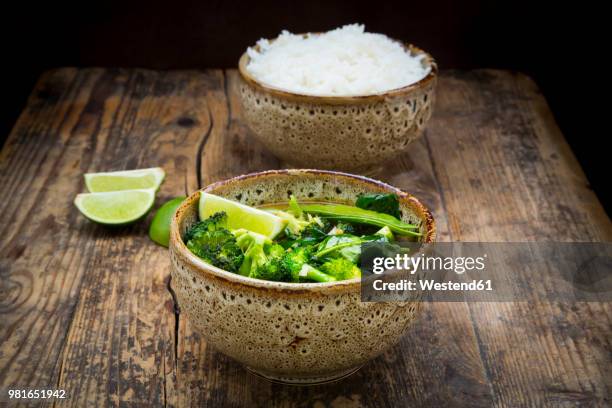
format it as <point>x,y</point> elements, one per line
<point>507,174</point>
<point>42,259</point>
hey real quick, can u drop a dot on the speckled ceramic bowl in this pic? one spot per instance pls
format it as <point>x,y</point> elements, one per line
<point>289,332</point>
<point>352,133</point>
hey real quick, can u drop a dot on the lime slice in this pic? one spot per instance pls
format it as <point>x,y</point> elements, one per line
<point>241,216</point>
<point>159,231</point>
<point>124,180</point>
<point>115,207</point>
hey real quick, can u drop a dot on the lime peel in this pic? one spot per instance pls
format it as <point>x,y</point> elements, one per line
<point>159,231</point>
<point>124,180</point>
<point>115,207</point>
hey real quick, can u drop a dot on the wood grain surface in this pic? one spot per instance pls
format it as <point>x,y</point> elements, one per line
<point>90,309</point>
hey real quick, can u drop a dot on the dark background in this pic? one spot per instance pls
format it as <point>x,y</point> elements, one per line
<point>558,45</point>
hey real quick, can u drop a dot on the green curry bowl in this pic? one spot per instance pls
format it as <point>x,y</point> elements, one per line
<point>300,333</point>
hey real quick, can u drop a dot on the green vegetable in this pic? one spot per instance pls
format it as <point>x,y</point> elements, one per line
<point>311,235</point>
<point>211,241</point>
<point>346,228</point>
<point>351,214</point>
<point>262,257</point>
<point>294,225</point>
<point>382,203</point>
<point>296,220</point>
<point>310,249</point>
<point>294,207</point>
<point>374,238</point>
<point>309,272</point>
<point>212,223</point>
<point>245,239</point>
<point>345,245</point>
<point>341,269</point>
<point>385,232</point>
<point>294,262</point>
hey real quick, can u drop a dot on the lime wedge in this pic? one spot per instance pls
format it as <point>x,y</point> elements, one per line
<point>159,231</point>
<point>116,207</point>
<point>124,180</point>
<point>241,216</point>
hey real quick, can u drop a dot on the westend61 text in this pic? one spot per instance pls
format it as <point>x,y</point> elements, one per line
<point>428,284</point>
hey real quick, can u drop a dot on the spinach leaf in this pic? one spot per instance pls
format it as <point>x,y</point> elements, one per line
<point>382,203</point>
<point>345,245</point>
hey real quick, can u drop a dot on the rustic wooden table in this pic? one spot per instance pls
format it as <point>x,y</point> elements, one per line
<point>88,309</point>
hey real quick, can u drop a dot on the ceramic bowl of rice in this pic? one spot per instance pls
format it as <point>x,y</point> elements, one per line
<point>345,99</point>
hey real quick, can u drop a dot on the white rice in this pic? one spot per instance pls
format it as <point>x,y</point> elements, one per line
<point>342,62</point>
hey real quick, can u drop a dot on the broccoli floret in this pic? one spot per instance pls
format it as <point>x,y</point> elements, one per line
<point>246,239</point>
<point>214,222</point>
<point>294,259</point>
<point>271,268</point>
<point>262,257</point>
<point>341,269</point>
<point>264,262</point>
<point>215,244</point>
<point>295,264</point>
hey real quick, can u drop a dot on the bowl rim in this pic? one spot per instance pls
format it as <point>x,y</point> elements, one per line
<point>342,100</point>
<point>181,251</point>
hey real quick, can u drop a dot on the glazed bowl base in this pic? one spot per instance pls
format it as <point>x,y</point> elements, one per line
<point>315,380</point>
